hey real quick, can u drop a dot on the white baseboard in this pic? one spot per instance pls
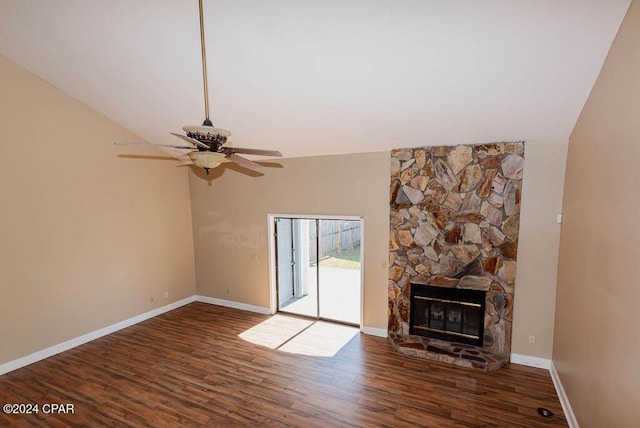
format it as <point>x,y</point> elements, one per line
<point>380,332</point>
<point>562,396</point>
<point>527,360</point>
<point>232,304</point>
<point>69,344</point>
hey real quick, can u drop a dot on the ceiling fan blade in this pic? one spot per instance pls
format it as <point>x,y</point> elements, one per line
<point>245,162</point>
<point>191,140</point>
<point>255,151</point>
<point>154,145</point>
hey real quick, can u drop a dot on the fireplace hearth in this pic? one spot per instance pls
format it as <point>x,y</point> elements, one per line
<point>452,314</point>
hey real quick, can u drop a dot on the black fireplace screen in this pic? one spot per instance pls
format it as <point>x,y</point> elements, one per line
<point>452,314</point>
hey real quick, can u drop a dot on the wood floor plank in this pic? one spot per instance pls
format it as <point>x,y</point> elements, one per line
<point>189,367</point>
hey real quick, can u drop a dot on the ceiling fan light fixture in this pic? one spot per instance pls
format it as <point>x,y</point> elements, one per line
<point>206,160</point>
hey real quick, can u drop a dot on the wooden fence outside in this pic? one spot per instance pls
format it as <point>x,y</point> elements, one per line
<point>337,236</point>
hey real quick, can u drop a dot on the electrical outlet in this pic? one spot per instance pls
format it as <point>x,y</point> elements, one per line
<point>166,294</point>
<point>532,339</point>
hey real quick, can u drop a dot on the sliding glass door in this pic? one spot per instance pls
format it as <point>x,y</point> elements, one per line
<point>318,267</point>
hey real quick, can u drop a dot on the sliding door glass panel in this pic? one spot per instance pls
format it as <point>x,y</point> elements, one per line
<point>296,240</point>
<point>340,270</point>
<point>285,269</point>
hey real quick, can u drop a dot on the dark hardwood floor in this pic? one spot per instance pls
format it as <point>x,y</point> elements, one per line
<point>188,367</point>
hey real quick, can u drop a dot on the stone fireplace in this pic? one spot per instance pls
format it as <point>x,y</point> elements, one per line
<point>454,223</point>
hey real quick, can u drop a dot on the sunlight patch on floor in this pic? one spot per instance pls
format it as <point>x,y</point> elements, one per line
<point>275,331</point>
<point>322,339</point>
<point>300,336</point>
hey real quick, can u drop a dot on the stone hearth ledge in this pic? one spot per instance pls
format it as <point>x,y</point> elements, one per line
<point>461,355</point>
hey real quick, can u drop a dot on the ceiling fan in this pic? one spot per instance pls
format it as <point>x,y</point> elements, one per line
<point>209,146</point>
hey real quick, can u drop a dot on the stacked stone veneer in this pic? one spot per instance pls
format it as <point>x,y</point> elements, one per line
<point>455,215</point>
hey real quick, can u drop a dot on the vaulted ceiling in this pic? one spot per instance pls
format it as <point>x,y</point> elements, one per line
<point>323,77</point>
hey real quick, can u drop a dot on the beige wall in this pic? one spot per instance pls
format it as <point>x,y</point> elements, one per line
<point>87,238</point>
<point>534,305</point>
<point>230,229</point>
<point>597,334</point>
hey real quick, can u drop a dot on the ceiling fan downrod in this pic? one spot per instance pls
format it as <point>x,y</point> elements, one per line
<point>203,49</point>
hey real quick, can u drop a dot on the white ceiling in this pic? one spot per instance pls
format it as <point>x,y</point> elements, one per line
<point>323,77</point>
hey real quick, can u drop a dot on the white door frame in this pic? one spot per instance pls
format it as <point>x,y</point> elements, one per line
<point>273,299</point>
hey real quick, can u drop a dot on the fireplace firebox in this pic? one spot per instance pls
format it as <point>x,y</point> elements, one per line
<point>452,314</point>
